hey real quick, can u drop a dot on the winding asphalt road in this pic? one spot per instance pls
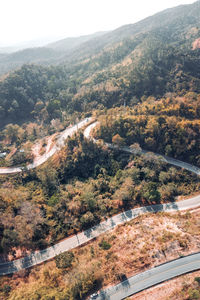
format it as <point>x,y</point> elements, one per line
<point>169,160</point>
<point>69,131</point>
<point>81,238</point>
<point>151,277</point>
<point>135,283</point>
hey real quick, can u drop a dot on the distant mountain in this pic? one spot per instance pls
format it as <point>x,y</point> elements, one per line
<point>38,43</point>
<point>7,50</point>
<point>15,60</point>
<point>157,55</point>
<point>72,49</point>
<point>30,55</point>
<point>51,54</point>
<point>68,44</point>
<point>153,57</point>
<point>174,20</point>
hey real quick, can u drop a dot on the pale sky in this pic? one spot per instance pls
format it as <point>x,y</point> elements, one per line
<point>26,20</point>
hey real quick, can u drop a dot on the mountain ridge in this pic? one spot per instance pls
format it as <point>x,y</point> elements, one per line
<point>69,43</point>
<point>149,58</point>
<point>88,45</point>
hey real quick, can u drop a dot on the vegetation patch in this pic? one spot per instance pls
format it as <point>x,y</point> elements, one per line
<point>104,245</point>
<point>64,260</point>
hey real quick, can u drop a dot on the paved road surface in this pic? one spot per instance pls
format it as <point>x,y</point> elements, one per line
<point>140,281</point>
<point>164,158</point>
<point>85,236</point>
<point>169,270</point>
<point>151,277</point>
<point>59,144</point>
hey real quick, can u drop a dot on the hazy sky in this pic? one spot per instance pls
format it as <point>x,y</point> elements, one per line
<point>24,20</point>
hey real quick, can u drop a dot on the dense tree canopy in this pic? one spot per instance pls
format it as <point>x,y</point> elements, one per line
<point>169,126</point>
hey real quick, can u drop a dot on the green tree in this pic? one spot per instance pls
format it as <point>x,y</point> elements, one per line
<point>49,179</point>
<point>11,132</point>
<point>9,240</point>
<point>150,192</point>
<point>87,219</point>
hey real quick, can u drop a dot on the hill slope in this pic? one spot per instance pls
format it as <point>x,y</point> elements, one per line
<point>150,58</point>
<point>50,54</point>
<point>72,42</point>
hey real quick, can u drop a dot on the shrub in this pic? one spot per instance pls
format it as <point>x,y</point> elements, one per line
<point>194,294</point>
<point>64,260</point>
<point>6,289</point>
<point>197,279</point>
<point>104,245</point>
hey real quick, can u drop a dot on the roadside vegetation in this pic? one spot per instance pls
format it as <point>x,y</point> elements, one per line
<point>133,247</point>
<point>20,144</point>
<point>168,126</point>
<point>79,187</point>
<point>189,291</point>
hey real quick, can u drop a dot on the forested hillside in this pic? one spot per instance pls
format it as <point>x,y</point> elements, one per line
<point>26,92</point>
<point>149,58</point>
<point>142,83</point>
<point>148,76</point>
<point>161,126</point>
<point>80,186</point>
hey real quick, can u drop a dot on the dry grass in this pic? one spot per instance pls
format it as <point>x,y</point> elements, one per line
<point>135,246</point>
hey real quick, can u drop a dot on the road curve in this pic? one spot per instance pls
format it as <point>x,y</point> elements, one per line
<point>169,160</point>
<point>81,238</point>
<point>38,257</point>
<point>69,131</point>
<point>166,271</point>
<point>151,277</point>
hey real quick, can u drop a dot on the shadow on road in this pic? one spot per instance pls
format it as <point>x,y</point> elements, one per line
<point>128,214</point>
<point>161,207</point>
<point>88,232</point>
<point>100,228</point>
<point>103,295</point>
<point>113,224</point>
<point>124,280</point>
<point>17,265</point>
